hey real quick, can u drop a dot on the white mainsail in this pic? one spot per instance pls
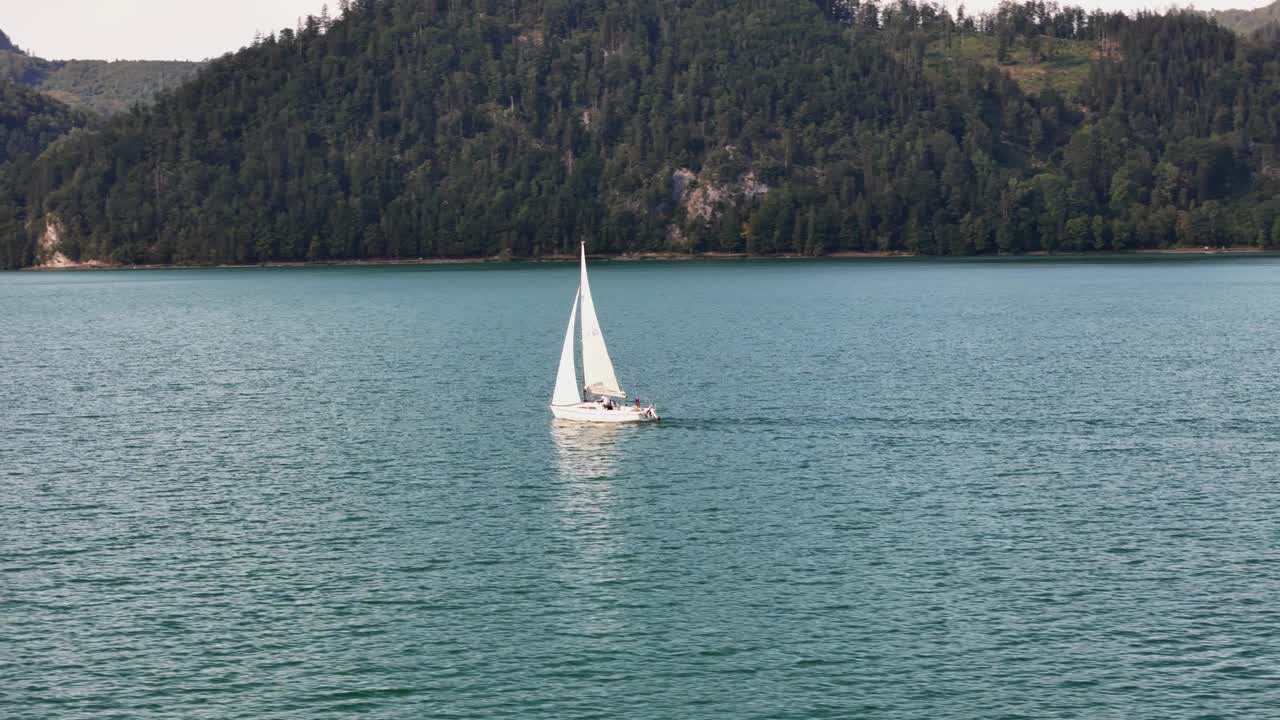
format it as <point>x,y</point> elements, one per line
<point>597,368</point>
<point>566,392</point>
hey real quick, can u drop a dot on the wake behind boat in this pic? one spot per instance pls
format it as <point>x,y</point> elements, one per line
<point>609,404</point>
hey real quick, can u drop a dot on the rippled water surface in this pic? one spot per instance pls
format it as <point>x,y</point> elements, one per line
<point>889,489</point>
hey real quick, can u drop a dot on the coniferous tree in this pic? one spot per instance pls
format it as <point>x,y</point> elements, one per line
<point>481,127</point>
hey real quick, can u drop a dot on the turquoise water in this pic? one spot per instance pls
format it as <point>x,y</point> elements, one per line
<point>881,489</point>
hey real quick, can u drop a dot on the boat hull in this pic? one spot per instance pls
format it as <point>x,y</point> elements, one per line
<point>593,412</point>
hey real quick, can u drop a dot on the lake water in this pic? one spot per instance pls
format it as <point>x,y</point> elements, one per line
<point>881,489</point>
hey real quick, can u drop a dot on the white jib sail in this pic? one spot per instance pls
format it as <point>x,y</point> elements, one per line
<point>597,368</point>
<point>566,392</point>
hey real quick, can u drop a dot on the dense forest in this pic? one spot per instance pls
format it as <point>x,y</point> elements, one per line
<point>416,128</point>
<point>29,123</point>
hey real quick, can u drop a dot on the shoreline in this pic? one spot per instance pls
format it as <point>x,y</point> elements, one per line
<point>643,257</point>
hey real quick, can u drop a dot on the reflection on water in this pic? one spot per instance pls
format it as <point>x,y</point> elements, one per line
<point>591,563</point>
<point>586,451</point>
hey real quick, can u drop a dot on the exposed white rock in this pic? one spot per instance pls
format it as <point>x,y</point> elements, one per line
<point>703,198</point>
<point>49,250</point>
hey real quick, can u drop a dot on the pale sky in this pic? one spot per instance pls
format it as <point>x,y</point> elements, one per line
<point>198,29</point>
<point>145,29</point>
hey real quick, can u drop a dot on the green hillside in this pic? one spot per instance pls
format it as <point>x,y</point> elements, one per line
<point>98,86</point>
<point>29,123</point>
<point>405,129</point>
<point>1246,22</point>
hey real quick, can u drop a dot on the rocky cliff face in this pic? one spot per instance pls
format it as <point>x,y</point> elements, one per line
<point>49,250</point>
<point>703,197</point>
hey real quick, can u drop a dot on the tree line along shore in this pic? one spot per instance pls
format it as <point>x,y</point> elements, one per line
<point>396,129</point>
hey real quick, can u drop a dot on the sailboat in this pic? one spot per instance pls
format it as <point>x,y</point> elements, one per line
<point>598,379</point>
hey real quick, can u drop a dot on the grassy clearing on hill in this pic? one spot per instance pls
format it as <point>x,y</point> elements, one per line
<point>1064,66</point>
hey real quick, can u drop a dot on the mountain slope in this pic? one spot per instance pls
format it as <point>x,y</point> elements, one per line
<point>1247,22</point>
<point>410,129</point>
<point>29,124</point>
<point>95,85</point>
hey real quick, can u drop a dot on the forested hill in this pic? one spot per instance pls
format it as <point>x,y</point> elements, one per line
<point>412,128</point>
<point>1247,22</point>
<point>29,123</point>
<point>96,86</point>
